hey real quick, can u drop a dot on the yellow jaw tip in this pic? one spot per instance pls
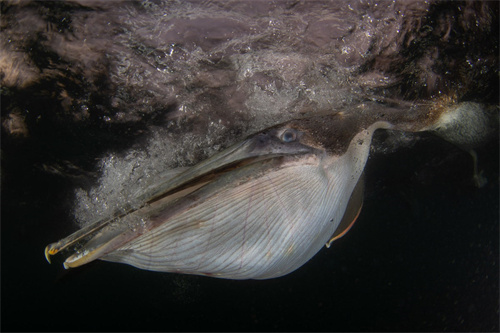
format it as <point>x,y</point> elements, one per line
<point>48,253</point>
<point>50,250</point>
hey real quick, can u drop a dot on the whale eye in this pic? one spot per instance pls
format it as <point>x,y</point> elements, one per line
<point>289,135</point>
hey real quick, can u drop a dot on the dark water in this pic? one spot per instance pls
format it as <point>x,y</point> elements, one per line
<point>423,256</point>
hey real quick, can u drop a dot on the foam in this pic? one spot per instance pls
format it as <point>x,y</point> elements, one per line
<point>227,70</point>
